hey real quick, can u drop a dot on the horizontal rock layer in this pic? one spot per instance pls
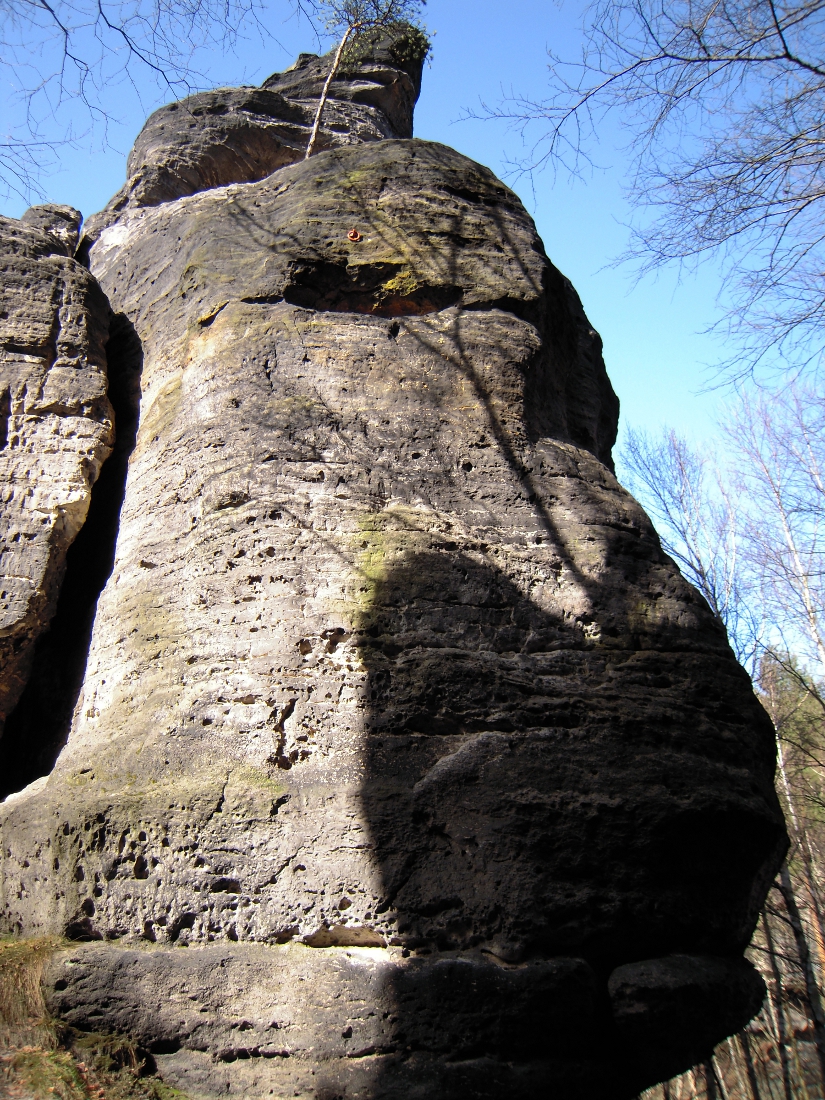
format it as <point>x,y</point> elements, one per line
<point>371,1025</point>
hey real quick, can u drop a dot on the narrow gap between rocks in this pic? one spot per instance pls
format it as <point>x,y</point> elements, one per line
<point>38,727</point>
<point>5,416</point>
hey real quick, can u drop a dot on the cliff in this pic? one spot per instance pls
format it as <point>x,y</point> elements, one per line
<point>402,761</point>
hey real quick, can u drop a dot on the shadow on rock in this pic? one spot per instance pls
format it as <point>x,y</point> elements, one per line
<point>539,822</point>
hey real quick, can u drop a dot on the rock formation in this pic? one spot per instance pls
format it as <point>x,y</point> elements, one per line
<point>237,135</point>
<point>405,762</point>
<point>55,423</point>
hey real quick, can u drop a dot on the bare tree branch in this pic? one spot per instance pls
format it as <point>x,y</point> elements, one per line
<point>724,102</point>
<point>59,57</point>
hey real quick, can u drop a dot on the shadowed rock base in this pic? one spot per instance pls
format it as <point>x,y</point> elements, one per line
<point>368,1024</point>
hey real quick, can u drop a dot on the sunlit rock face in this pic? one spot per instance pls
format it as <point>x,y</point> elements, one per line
<point>236,135</point>
<point>394,715</point>
<point>55,423</point>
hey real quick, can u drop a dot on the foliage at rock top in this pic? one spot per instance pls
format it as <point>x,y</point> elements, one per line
<point>391,710</point>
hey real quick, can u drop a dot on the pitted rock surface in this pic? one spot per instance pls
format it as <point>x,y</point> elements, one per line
<point>56,425</point>
<point>395,715</point>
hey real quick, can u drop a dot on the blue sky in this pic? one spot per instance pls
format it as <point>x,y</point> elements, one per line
<point>655,352</point>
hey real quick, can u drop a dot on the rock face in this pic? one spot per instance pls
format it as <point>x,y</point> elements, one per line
<point>56,425</point>
<point>395,715</point>
<point>235,135</point>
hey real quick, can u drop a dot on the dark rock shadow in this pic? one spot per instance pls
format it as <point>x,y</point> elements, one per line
<point>38,727</point>
<point>539,824</point>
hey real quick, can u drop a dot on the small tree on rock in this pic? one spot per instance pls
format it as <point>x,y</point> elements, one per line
<point>356,22</point>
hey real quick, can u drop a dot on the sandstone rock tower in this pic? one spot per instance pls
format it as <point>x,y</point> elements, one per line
<point>399,760</point>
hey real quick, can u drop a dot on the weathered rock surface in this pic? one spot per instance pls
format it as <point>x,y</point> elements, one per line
<point>56,425</point>
<point>458,1025</point>
<point>395,715</point>
<point>238,135</point>
<point>651,999</point>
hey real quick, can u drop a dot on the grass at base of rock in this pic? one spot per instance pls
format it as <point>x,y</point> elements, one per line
<point>84,1070</point>
<point>34,1072</point>
<point>42,1059</point>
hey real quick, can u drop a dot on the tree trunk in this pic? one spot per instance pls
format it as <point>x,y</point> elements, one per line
<point>807,858</point>
<point>710,1080</point>
<point>781,1038</point>
<point>750,1069</point>
<point>734,1059</point>
<point>810,882</point>
<point>316,126</point>
<point>720,1080</point>
<point>811,988</point>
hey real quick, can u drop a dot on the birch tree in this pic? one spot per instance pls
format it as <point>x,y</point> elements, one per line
<point>777,440</point>
<point>355,23</point>
<point>700,527</point>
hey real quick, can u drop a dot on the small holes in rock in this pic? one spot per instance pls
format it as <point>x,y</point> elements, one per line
<point>183,923</point>
<point>466,466</point>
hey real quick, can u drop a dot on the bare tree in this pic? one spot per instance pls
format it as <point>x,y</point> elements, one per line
<point>778,447</point>
<point>750,536</point>
<point>700,527</point>
<point>60,58</point>
<point>355,22</point>
<point>724,105</point>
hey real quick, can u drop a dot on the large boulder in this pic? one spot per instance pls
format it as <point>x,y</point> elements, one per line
<point>395,715</point>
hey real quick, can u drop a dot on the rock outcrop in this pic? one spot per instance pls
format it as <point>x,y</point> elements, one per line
<point>395,715</point>
<point>56,425</point>
<point>237,135</point>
